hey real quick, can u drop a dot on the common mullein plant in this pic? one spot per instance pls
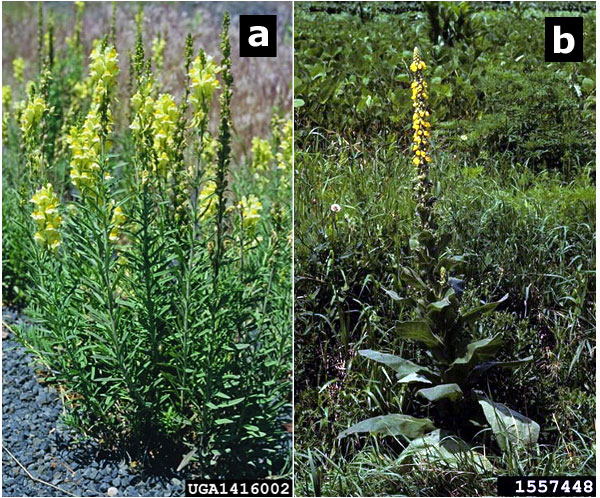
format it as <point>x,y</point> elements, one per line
<point>456,364</point>
<point>156,275</point>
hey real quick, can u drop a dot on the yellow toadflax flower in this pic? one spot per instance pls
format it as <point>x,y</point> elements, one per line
<point>203,83</point>
<point>286,147</point>
<point>46,217</point>
<point>86,142</point>
<point>6,98</point>
<point>104,69</point>
<point>118,219</point>
<point>158,50</point>
<point>86,149</point>
<point>250,208</point>
<point>164,128</point>
<point>261,154</point>
<point>32,115</point>
<point>207,201</point>
<point>143,106</point>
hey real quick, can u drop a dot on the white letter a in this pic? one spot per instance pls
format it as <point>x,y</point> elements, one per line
<point>261,39</point>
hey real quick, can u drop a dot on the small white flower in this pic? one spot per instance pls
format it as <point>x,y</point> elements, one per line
<point>336,208</point>
<point>464,137</point>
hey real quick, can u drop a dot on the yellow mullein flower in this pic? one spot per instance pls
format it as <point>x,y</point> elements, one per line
<point>47,218</point>
<point>421,125</point>
<point>250,208</point>
<point>18,68</point>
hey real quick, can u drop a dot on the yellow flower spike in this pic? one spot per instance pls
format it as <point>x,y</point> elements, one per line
<point>203,83</point>
<point>46,217</point>
<point>250,207</point>
<point>261,154</point>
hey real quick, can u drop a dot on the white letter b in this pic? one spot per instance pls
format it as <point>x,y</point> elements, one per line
<point>557,38</point>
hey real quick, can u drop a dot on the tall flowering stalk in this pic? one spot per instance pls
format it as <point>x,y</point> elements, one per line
<point>456,361</point>
<point>89,143</point>
<point>224,148</point>
<point>421,141</point>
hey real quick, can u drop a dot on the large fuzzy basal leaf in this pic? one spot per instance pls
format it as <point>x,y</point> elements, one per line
<point>510,427</point>
<point>442,448</point>
<point>413,378</point>
<point>443,391</point>
<point>418,330</point>
<point>400,365</point>
<point>476,313</point>
<point>481,369</point>
<point>395,424</point>
<point>475,352</point>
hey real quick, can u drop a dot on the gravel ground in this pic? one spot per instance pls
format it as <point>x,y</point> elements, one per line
<point>31,432</point>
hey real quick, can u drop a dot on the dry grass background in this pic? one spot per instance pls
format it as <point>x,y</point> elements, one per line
<point>262,85</point>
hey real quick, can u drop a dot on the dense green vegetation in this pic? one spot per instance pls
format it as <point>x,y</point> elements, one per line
<point>513,167</point>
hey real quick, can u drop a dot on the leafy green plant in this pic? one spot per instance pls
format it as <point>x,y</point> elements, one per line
<point>456,362</point>
<point>156,263</point>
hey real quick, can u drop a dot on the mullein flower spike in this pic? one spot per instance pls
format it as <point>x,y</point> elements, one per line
<point>421,139</point>
<point>46,217</point>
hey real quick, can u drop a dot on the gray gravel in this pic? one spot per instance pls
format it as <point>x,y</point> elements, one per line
<point>32,432</point>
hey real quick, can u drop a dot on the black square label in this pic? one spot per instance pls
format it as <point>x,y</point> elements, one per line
<point>258,36</point>
<point>564,39</point>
